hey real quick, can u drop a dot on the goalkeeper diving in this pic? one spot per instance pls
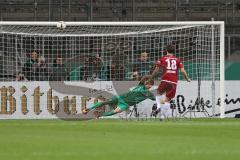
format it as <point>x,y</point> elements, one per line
<point>123,101</point>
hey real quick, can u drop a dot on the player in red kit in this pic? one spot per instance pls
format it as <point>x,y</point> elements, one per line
<point>167,87</point>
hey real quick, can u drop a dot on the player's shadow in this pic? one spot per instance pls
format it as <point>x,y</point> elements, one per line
<point>68,115</point>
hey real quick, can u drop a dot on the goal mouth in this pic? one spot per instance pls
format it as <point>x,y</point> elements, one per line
<point>110,53</point>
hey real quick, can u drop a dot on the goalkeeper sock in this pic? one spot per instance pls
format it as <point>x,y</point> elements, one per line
<point>96,105</point>
<point>108,113</point>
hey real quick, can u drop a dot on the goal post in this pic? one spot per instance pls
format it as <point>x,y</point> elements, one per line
<point>222,71</point>
<point>115,52</point>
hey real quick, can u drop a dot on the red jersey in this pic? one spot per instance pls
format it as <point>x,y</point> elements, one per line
<point>170,65</point>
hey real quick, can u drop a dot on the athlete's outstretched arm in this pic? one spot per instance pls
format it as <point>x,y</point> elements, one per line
<point>184,73</point>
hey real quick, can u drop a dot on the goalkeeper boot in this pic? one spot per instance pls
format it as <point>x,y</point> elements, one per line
<point>85,110</point>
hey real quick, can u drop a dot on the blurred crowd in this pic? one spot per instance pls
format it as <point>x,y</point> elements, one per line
<point>84,67</point>
<point>37,69</point>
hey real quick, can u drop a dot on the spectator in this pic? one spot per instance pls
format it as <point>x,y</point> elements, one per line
<point>20,77</point>
<point>116,72</point>
<point>29,66</point>
<point>92,68</point>
<point>59,71</point>
<point>41,70</point>
<point>142,66</point>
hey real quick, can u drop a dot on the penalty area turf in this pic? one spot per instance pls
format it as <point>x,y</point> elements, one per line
<point>111,139</point>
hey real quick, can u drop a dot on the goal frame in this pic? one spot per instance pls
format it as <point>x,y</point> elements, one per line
<point>142,23</point>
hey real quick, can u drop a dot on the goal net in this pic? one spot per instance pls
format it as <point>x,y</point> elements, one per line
<point>111,54</point>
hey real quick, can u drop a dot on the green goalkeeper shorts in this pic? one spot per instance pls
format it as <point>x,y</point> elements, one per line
<point>119,102</point>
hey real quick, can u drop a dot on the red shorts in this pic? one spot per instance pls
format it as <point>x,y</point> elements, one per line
<point>168,88</point>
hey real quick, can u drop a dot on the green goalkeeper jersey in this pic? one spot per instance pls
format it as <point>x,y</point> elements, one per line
<point>137,95</point>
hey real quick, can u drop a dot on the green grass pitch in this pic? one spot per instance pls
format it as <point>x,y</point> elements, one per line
<point>104,139</point>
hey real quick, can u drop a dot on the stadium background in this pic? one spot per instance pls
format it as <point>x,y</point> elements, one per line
<point>93,10</point>
<point>116,139</point>
<point>135,10</point>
